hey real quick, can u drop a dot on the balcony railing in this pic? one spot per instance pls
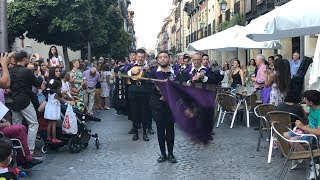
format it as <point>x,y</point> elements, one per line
<point>209,30</point>
<point>237,7</point>
<point>280,2</point>
<point>220,19</point>
<point>265,6</point>
<point>213,27</point>
<point>227,15</point>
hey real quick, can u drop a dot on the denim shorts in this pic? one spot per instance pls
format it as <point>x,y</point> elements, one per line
<point>306,138</point>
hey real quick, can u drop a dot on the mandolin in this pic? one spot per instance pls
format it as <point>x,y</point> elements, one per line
<point>141,70</point>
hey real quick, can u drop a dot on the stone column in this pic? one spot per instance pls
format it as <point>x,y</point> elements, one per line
<point>242,56</point>
<point>286,50</point>
<point>310,46</point>
<point>267,52</point>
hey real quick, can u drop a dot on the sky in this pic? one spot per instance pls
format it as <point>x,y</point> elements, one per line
<point>148,20</point>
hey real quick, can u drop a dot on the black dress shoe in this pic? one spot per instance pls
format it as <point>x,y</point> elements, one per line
<point>162,158</point>
<point>132,131</point>
<point>210,138</point>
<point>30,164</point>
<point>150,131</point>
<point>145,137</point>
<point>172,159</point>
<point>135,137</point>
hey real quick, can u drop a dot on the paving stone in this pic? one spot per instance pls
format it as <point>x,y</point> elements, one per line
<point>231,155</point>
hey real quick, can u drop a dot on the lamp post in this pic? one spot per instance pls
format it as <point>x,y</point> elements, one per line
<point>223,6</point>
<point>3,26</point>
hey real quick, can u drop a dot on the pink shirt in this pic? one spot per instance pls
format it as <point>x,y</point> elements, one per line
<point>260,78</point>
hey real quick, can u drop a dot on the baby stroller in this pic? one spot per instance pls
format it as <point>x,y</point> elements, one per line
<point>75,142</point>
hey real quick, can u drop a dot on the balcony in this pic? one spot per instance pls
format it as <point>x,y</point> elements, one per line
<point>227,13</point>
<point>209,30</point>
<point>280,2</point>
<point>251,9</point>
<point>237,7</point>
<point>220,19</point>
<point>213,27</point>
<point>264,6</point>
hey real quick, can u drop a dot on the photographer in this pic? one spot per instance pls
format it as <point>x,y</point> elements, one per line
<point>5,77</point>
<point>21,93</point>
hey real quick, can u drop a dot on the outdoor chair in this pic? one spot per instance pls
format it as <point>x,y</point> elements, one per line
<point>16,146</point>
<point>288,147</point>
<point>264,125</point>
<point>228,104</point>
<point>283,118</point>
<point>249,103</point>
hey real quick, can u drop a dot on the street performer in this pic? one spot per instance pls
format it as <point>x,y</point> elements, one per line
<point>137,98</point>
<point>160,109</point>
<point>197,73</point>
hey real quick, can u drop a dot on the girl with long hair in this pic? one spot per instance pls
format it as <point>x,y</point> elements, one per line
<point>54,59</point>
<point>278,80</point>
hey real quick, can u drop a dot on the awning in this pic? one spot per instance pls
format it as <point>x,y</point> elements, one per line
<point>231,39</point>
<point>295,18</point>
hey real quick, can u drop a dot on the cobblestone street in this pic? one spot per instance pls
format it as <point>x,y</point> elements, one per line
<point>231,155</point>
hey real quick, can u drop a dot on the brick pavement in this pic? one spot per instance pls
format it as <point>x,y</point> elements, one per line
<point>231,155</point>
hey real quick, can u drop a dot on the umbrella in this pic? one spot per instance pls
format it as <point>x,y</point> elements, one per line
<point>295,18</point>
<point>314,82</point>
<point>231,39</point>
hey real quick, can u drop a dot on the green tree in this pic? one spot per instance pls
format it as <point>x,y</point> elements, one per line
<point>69,23</point>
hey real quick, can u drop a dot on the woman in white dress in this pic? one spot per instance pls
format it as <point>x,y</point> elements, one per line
<point>105,86</point>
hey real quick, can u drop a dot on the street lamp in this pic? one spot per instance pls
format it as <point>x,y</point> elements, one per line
<point>223,5</point>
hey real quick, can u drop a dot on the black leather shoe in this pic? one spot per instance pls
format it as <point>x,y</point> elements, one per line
<point>162,158</point>
<point>145,137</point>
<point>172,159</point>
<point>150,131</point>
<point>132,131</point>
<point>30,164</point>
<point>210,138</point>
<point>135,137</point>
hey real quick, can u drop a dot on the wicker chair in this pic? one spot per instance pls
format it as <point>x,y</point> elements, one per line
<point>283,118</point>
<point>264,125</point>
<point>228,104</point>
<point>288,147</point>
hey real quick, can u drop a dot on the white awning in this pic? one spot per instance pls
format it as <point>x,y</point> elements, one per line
<point>295,18</point>
<point>231,39</point>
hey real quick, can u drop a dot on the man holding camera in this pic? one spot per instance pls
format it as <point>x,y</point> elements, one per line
<point>22,80</point>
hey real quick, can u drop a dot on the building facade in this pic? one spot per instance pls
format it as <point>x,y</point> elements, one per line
<point>197,19</point>
<point>128,24</point>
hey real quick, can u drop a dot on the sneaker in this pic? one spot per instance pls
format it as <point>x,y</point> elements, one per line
<point>295,163</point>
<point>312,175</point>
<point>56,140</point>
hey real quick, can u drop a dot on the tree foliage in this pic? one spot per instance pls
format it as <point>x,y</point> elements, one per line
<point>69,23</point>
<point>237,19</point>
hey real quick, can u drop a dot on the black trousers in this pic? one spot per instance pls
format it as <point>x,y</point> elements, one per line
<point>139,103</point>
<point>165,127</point>
<point>128,105</point>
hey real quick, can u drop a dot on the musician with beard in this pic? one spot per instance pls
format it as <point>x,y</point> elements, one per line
<point>161,112</point>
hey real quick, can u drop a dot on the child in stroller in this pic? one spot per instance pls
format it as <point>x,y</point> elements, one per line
<point>75,142</point>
